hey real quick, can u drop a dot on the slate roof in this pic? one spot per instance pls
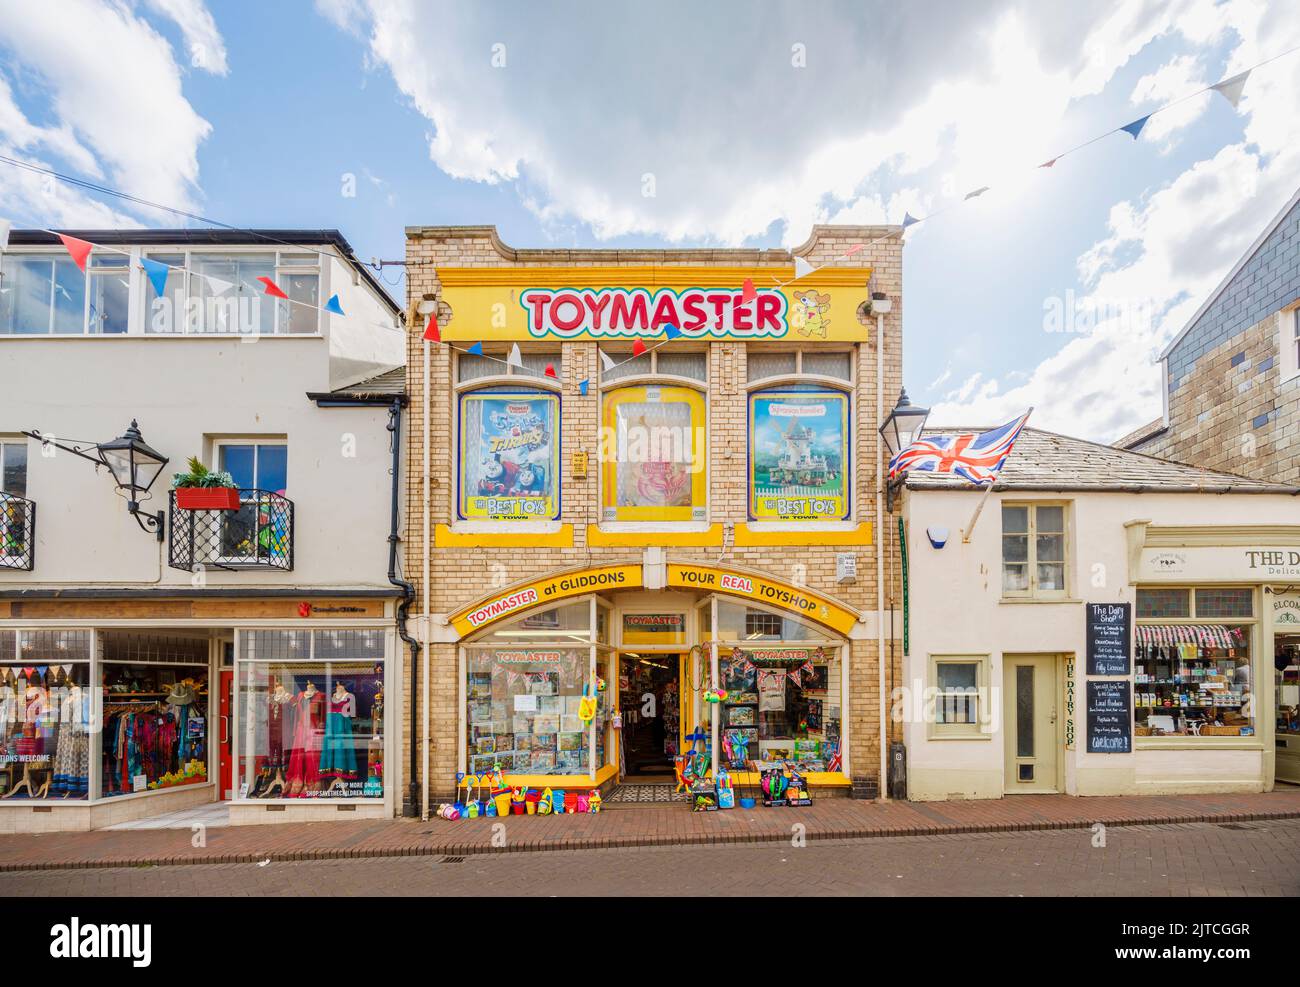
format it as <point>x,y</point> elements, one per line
<point>390,383</point>
<point>1048,461</point>
<point>1139,435</point>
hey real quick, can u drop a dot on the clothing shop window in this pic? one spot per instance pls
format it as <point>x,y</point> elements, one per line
<point>41,294</point>
<point>45,714</point>
<point>691,364</point>
<point>1034,550</point>
<point>1194,677</point>
<point>653,455</point>
<point>155,712</point>
<point>509,463</point>
<point>799,455</point>
<point>958,684</point>
<point>310,721</point>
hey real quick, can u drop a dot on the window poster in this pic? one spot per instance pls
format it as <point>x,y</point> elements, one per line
<point>509,456</point>
<point>799,456</point>
<point>653,455</point>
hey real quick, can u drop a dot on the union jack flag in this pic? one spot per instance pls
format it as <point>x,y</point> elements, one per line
<point>974,456</point>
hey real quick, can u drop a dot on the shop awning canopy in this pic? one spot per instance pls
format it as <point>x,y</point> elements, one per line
<point>1201,635</point>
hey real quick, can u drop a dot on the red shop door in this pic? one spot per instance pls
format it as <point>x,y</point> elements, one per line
<point>227,681</point>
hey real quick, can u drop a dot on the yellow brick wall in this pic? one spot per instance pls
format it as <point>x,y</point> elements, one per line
<point>460,575</point>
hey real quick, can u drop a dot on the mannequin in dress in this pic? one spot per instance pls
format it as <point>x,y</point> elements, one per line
<point>277,722</point>
<point>338,759</point>
<point>308,739</point>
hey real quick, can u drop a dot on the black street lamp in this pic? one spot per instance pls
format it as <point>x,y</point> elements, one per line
<point>135,466</point>
<point>899,430</point>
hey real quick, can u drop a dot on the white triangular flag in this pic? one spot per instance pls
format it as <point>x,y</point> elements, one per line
<point>4,234</point>
<point>216,285</point>
<point>605,360</point>
<point>802,267</point>
<point>1230,89</point>
<point>515,359</point>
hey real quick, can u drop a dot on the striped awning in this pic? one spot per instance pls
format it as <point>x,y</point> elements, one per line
<point>1201,635</point>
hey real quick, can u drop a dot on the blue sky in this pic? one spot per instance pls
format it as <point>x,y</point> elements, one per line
<point>755,121</point>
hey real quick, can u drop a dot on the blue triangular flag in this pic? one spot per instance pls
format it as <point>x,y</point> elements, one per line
<point>1136,126</point>
<point>333,305</point>
<point>477,349</point>
<point>671,331</point>
<point>157,274</point>
<point>909,219</point>
<point>582,387</point>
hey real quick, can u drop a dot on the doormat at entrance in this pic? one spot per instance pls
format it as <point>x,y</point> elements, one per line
<point>646,793</point>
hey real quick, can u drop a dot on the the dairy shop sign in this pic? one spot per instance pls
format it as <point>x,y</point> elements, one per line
<point>1255,564</point>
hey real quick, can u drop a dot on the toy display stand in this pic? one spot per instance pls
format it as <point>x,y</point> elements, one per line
<point>782,785</point>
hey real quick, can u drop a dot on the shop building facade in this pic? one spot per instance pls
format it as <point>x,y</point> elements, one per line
<point>165,657</point>
<point>1231,377</point>
<point>1114,624</point>
<point>701,515</point>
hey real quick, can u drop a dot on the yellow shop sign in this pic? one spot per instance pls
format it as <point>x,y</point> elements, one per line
<point>616,303</point>
<point>544,592</point>
<point>783,596</point>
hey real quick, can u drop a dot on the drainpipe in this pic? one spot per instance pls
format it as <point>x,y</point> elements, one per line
<point>424,586</point>
<point>880,558</point>
<point>407,588</point>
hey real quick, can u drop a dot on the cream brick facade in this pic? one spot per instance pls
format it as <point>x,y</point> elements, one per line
<point>462,573</point>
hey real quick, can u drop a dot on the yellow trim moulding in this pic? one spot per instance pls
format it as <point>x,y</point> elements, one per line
<point>747,536</point>
<point>712,538</point>
<point>444,536</point>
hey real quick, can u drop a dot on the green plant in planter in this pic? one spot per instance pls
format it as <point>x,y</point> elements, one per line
<point>200,476</point>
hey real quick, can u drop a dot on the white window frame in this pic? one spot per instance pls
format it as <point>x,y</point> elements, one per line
<point>187,253</point>
<point>256,441</point>
<point>1288,334</point>
<point>959,731</point>
<point>1031,561</point>
<point>5,442</point>
<point>88,276</point>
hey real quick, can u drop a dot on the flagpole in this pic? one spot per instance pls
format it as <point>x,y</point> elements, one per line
<point>970,528</point>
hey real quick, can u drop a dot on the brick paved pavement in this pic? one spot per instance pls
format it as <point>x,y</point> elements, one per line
<point>1202,859</point>
<point>658,825</point>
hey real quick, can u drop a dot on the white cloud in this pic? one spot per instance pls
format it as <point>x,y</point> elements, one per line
<point>1170,83</point>
<point>110,86</point>
<point>203,42</point>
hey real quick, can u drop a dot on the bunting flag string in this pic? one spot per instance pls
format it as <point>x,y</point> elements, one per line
<point>431,332</point>
<point>1230,89</point>
<point>1136,126</point>
<point>78,250</point>
<point>157,273</point>
<point>515,359</point>
<point>331,306</point>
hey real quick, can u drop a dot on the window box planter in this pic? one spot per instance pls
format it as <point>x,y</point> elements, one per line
<point>207,498</point>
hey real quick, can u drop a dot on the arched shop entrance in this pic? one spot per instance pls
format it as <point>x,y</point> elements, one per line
<point>527,654</point>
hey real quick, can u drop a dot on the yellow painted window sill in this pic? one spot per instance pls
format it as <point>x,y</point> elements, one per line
<point>711,537</point>
<point>445,536</point>
<point>812,534</point>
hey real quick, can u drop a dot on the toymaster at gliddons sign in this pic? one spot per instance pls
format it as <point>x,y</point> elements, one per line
<point>798,454</point>
<point>509,456</point>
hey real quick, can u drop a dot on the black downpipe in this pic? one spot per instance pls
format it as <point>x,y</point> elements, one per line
<point>412,808</point>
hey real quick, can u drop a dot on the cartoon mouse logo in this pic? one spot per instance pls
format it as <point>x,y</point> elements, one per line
<point>812,313</point>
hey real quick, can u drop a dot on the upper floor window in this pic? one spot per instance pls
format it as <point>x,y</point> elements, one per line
<point>221,294</point>
<point>13,467</point>
<point>471,367</point>
<point>255,465</point>
<point>46,294</point>
<point>653,454</point>
<point>691,364</point>
<point>509,455</point>
<point>767,364</point>
<point>1289,344</point>
<point>1034,547</point>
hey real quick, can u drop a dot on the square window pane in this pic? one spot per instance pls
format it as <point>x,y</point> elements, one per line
<point>760,365</point>
<point>1050,548</point>
<point>238,462</point>
<point>1050,519</point>
<point>956,675</point>
<point>692,365</point>
<point>299,314</point>
<point>1015,548</point>
<point>1015,519</point>
<point>109,296</point>
<point>835,365</point>
<point>13,459</point>
<point>470,366</point>
<point>1163,602</point>
<point>1015,578</point>
<point>273,468</point>
<point>1224,602</point>
<point>628,366</point>
<point>1051,576</point>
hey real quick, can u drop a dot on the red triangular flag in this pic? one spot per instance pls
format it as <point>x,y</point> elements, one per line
<point>747,292</point>
<point>272,288</point>
<point>550,370</point>
<point>638,348</point>
<point>79,249</point>
<point>1048,164</point>
<point>431,332</point>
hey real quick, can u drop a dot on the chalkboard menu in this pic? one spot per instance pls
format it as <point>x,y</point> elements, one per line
<point>1109,630</point>
<point>1110,718</point>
